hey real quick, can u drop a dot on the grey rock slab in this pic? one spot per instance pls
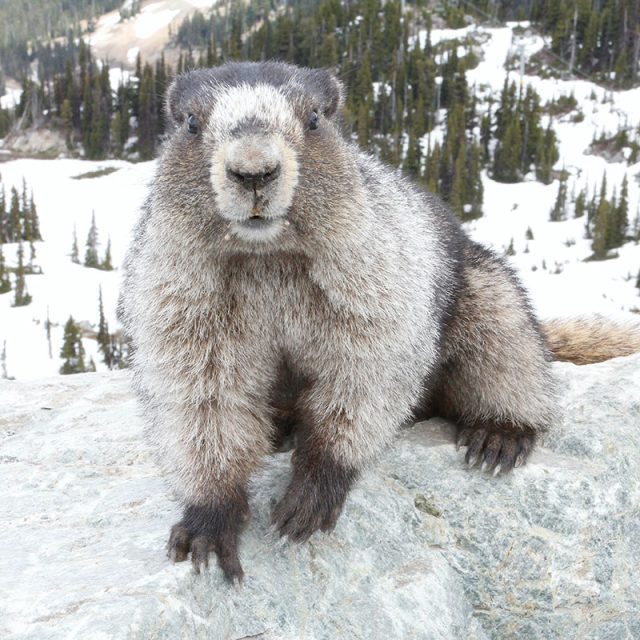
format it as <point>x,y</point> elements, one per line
<point>426,548</point>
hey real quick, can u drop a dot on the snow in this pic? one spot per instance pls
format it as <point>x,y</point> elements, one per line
<point>132,54</point>
<point>118,77</point>
<point>509,210</point>
<point>10,99</point>
<point>201,4</point>
<point>442,35</point>
<point>152,18</point>
<point>66,288</point>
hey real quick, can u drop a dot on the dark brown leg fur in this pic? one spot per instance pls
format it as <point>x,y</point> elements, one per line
<point>215,528</point>
<point>315,496</point>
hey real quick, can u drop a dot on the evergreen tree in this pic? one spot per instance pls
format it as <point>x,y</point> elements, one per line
<point>475,188</point>
<point>22,297</point>
<point>4,216</point>
<point>72,351</point>
<point>3,361</point>
<point>91,253</point>
<point>559,211</point>
<point>106,263</point>
<point>34,222</point>
<point>601,224</point>
<point>147,116</point>
<point>66,115</point>
<point>581,204</point>
<point>506,163</point>
<point>14,229</point>
<point>75,253</point>
<point>5,283</point>
<point>620,217</point>
<point>103,338</point>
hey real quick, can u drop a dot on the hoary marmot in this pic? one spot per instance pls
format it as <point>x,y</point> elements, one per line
<point>278,275</point>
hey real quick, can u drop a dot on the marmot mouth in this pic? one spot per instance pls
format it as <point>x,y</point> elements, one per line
<point>257,222</point>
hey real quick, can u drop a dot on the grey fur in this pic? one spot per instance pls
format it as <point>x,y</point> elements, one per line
<point>364,287</point>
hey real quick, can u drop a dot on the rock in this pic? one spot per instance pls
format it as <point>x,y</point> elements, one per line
<point>425,548</point>
<point>36,142</point>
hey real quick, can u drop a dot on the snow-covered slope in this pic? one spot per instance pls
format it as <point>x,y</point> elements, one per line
<point>510,209</point>
<point>64,288</point>
<point>567,285</point>
<point>147,33</point>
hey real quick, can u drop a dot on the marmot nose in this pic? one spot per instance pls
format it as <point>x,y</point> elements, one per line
<point>253,181</point>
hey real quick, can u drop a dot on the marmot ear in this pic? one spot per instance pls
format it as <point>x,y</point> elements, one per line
<point>335,95</point>
<point>328,89</point>
<point>175,99</point>
<point>189,92</point>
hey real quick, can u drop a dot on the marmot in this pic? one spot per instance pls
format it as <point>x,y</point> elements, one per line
<point>278,275</point>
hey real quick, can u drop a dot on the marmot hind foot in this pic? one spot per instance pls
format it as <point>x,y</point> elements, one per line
<point>496,448</point>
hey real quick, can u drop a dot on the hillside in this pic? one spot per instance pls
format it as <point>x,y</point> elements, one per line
<point>147,33</point>
<point>549,256</point>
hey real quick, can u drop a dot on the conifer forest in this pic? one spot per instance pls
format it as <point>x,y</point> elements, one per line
<point>412,100</point>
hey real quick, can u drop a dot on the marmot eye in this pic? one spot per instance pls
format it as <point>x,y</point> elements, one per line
<point>192,123</point>
<point>313,121</point>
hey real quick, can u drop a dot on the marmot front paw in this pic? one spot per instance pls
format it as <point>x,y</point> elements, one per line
<point>313,501</point>
<point>205,529</point>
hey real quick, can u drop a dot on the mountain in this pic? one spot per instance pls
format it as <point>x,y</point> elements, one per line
<point>147,33</point>
<point>554,259</point>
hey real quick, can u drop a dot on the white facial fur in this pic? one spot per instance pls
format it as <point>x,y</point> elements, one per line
<point>268,143</point>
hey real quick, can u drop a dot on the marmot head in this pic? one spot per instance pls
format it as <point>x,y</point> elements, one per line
<point>263,141</point>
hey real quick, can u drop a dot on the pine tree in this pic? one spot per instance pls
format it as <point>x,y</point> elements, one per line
<point>47,328</point>
<point>475,188</point>
<point>22,297</point>
<point>14,230</point>
<point>559,211</point>
<point>601,224</point>
<point>5,283</point>
<point>75,253</point>
<point>546,155</point>
<point>24,213</point>
<point>91,254</point>
<point>107,263</point>
<point>147,116</point>
<point>34,221</point>
<point>507,158</point>
<point>67,122</point>
<point>457,193</point>
<point>103,338</point>
<point>3,361</point>
<point>529,234</point>
<point>581,204</point>
<point>4,216</point>
<point>620,218</point>
<point>72,351</point>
